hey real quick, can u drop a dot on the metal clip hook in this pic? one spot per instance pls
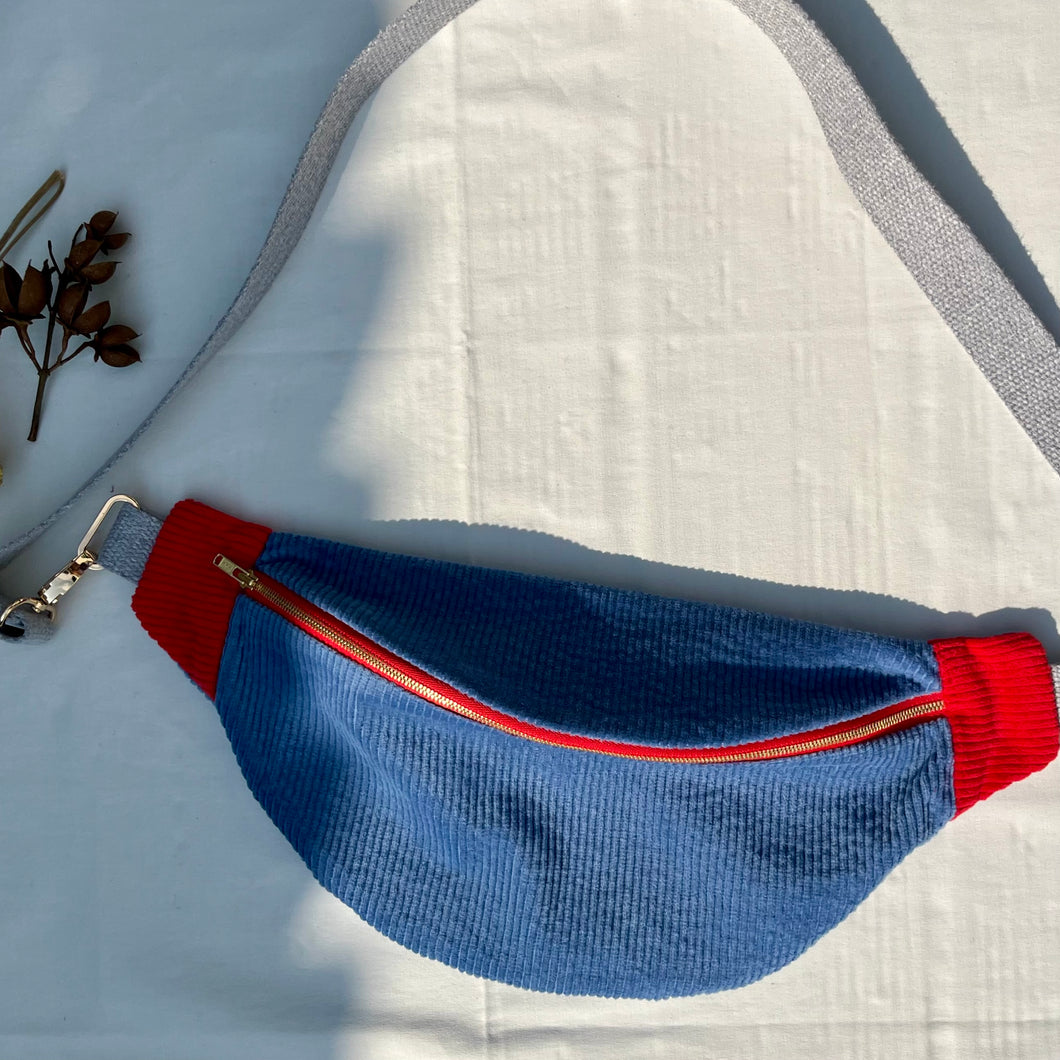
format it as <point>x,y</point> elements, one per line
<point>60,583</point>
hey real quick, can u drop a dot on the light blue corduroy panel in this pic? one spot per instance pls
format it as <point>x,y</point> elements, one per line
<point>564,870</point>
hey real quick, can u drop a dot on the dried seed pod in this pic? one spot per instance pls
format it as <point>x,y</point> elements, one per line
<point>101,223</point>
<point>113,241</point>
<point>99,271</point>
<point>36,289</point>
<point>82,253</point>
<point>71,304</point>
<point>99,227</point>
<point>22,298</point>
<point>111,346</point>
<point>10,287</point>
<point>72,315</point>
<point>92,319</point>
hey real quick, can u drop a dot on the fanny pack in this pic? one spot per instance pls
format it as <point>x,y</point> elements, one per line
<point>570,787</point>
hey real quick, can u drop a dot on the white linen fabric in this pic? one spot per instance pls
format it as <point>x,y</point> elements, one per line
<point>587,296</point>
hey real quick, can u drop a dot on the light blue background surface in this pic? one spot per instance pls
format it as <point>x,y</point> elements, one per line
<point>588,298</point>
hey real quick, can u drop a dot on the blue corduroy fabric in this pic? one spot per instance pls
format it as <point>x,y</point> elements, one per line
<point>605,662</point>
<point>559,869</point>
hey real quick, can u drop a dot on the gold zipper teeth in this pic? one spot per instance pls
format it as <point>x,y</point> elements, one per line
<point>253,585</point>
<point>823,742</point>
<point>394,674</point>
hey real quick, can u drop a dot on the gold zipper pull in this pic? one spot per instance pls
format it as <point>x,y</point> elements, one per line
<point>246,578</point>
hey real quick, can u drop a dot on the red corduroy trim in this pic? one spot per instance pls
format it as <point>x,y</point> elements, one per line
<point>180,600</point>
<point>1001,706</point>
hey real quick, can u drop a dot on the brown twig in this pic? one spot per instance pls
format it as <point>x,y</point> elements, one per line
<point>23,300</point>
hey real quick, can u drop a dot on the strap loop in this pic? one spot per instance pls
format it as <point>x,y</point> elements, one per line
<point>54,186</point>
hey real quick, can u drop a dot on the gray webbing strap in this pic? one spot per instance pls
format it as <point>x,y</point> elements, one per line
<point>997,327</point>
<point>990,318</point>
<point>129,542</point>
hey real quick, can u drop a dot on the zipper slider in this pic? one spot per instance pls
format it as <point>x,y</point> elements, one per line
<point>247,579</point>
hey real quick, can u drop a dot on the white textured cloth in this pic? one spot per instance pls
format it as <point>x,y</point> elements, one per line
<point>587,273</point>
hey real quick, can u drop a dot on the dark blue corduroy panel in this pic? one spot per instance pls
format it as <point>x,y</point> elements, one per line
<point>564,870</point>
<point>611,663</point>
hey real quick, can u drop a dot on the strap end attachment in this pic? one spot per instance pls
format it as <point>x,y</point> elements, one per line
<point>60,583</point>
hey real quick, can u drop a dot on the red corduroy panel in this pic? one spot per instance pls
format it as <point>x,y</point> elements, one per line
<point>1001,706</point>
<point>181,600</point>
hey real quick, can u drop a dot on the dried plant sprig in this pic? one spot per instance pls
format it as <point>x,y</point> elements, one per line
<point>24,299</point>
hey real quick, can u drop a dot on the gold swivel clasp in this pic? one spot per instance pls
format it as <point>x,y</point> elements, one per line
<point>56,587</point>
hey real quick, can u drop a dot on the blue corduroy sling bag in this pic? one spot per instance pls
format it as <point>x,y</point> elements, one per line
<point>575,788</point>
